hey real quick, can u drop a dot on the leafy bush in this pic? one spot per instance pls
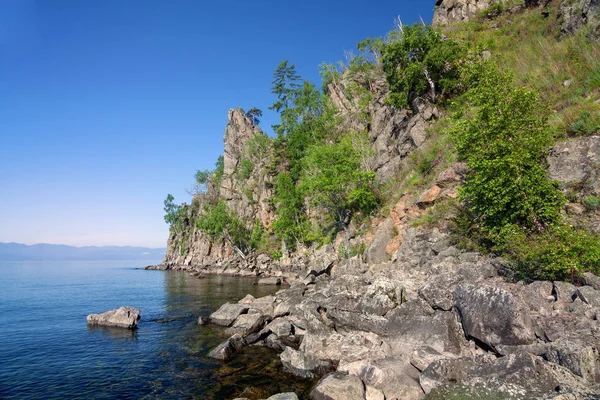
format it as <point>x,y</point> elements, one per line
<point>219,223</point>
<point>504,144</point>
<point>419,61</point>
<point>335,181</point>
<point>174,213</point>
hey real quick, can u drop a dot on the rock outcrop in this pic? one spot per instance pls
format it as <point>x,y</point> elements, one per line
<point>578,14</point>
<point>453,11</point>
<point>123,317</point>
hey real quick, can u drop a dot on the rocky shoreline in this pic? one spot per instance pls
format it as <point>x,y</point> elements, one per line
<point>434,322</point>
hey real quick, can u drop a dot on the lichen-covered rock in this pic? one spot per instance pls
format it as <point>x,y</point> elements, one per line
<point>575,161</point>
<point>338,386</point>
<point>284,396</point>
<point>246,324</point>
<point>516,376</point>
<point>376,251</point>
<point>306,366</point>
<point>453,11</point>
<point>493,316</point>
<point>228,348</point>
<point>228,313</point>
<point>577,14</point>
<point>123,317</point>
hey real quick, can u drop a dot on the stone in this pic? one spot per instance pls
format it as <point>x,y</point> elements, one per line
<point>563,291</point>
<point>269,281</point>
<point>284,396</point>
<point>228,348</point>
<point>123,317</point>
<point>429,196</point>
<point>438,291</point>
<point>376,251</point>
<point>203,320</point>
<point>573,161</point>
<point>395,377</point>
<point>577,354</point>
<point>592,280</point>
<point>422,357</point>
<point>449,12</point>
<point>578,14</point>
<point>338,386</point>
<point>248,299</point>
<point>228,313</point>
<point>280,327</point>
<point>372,393</point>
<point>589,295</point>
<point>520,375</point>
<point>574,209</point>
<point>246,324</point>
<point>303,365</point>
<point>493,316</point>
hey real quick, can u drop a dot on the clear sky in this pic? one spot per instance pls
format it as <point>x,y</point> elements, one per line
<point>108,105</point>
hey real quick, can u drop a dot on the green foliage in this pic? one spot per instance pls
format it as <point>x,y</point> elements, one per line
<point>587,123</point>
<point>290,224</point>
<point>246,169</point>
<point>259,145</point>
<point>372,48</point>
<point>201,181</point>
<point>173,212</point>
<point>504,144</point>
<point>560,252</point>
<point>419,61</point>
<point>284,85</point>
<point>253,115</point>
<point>220,223</point>
<point>329,74</point>
<point>217,175</point>
<point>334,181</point>
<point>592,203</point>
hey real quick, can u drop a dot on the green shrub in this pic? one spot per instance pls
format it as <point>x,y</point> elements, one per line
<point>419,61</point>
<point>592,203</point>
<point>220,223</point>
<point>504,143</point>
<point>586,123</point>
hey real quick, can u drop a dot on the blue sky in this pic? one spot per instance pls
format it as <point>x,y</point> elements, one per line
<point>108,105</point>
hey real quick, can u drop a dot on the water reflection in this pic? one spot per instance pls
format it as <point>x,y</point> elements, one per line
<point>113,333</point>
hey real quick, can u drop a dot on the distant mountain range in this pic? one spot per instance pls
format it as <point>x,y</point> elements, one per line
<point>59,252</point>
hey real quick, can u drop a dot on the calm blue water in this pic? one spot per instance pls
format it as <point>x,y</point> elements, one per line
<point>47,350</point>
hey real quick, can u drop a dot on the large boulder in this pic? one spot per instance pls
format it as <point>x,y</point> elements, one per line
<point>228,313</point>
<point>575,161</point>
<point>516,376</point>
<point>123,317</point>
<point>376,251</point>
<point>246,324</point>
<point>338,386</point>
<point>395,377</point>
<point>228,348</point>
<point>305,366</point>
<point>493,316</point>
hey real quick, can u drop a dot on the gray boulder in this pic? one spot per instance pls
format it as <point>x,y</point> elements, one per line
<point>592,280</point>
<point>589,295</point>
<point>493,316</point>
<point>376,251</point>
<point>516,376</point>
<point>337,386</point>
<point>305,366</point>
<point>228,313</point>
<point>284,396</point>
<point>246,324</point>
<point>228,348</point>
<point>123,317</point>
<point>395,377</point>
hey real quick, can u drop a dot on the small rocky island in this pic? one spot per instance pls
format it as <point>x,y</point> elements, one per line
<point>123,317</point>
<point>443,255</point>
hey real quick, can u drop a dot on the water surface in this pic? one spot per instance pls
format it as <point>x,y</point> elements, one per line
<point>47,350</point>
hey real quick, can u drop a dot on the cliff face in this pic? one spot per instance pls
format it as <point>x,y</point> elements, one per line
<point>453,11</point>
<point>244,188</point>
<point>246,185</point>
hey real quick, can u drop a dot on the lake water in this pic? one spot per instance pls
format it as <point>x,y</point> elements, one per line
<point>47,351</point>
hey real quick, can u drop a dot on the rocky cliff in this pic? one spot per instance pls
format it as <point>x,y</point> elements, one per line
<point>413,316</point>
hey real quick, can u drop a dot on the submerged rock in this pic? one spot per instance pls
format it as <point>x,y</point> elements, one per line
<point>123,317</point>
<point>228,348</point>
